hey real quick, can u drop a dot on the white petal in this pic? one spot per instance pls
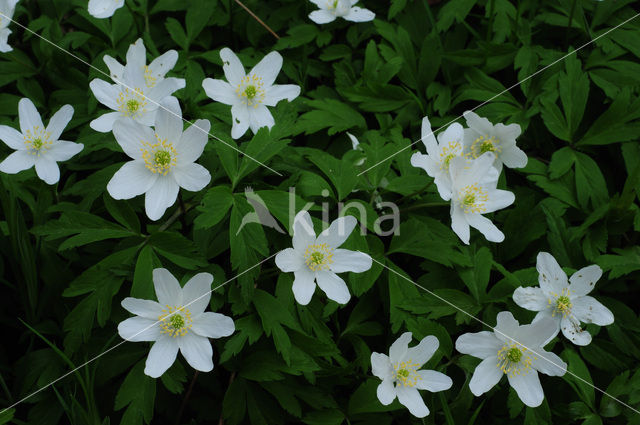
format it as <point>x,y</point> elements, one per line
<point>333,285</point>
<point>479,124</point>
<point>29,116</point>
<point>551,277</point>
<point>571,329</point>
<point>345,260</point>
<point>528,388</point>
<point>422,352</point>
<point>303,285</point>
<point>381,366</point>
<point>549,363</point>
<point>163,64</point>
<point>433,381</point>
<point>459,224</point>
<point>144,308</point>
<point>104,123</point>
<point>538,333</point>
<point>167,288</point>
<point>130,135</point>
<point>486,376</point>
<point>386,391</point>
<point>357,14</point>
<point>165,88</point>
<point>303,233</point>
<point>59,121</point>
<point>197,351</point>
<point>464,172</point>
<point>498,199</point>
<point>162,194</point>
<point>530,298</point>
<point>63,150</point>
<point>4,36</point>
<point>116,69</point>
<point>260,117</point>
<point>240,120</point>
<point>268,68</point>
<point>399,348</point>
<point>47,170</point>
<point>137,55</point>
<point>322,16</point>
<point>193,141</point>
<point>136,329</point>
<point>479,344</point>
<point>17,161</point>
<point>410,398</point>
<point>213,325</point>
<point>506,327</point>
<point>104,8</point>
<point>161,356</point>
<point>485,226</point>
<point>453,133</point>
<point>589,310</point>
<point>193,177</point>
<point>279,92</point>
<point>289,260</point>
<point>425,162</point>
<point>583,281</point>
<point>513,157</point>
<point>428,137</point>
<point>338,231</point>
<point>105,93</point>
<point>233,69</point>
<point>197,293</point>
<point>132,179</point>
<point>220,91</point>
<point>11,137</point>
<point>168,123</point>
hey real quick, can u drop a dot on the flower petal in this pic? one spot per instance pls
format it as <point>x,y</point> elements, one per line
<point>213,325</point>
<point>12,137</point>
<point>59,121</point>
<point>193,177</point>
<point>549,363</point>
<point>197,351</point>
<point>479,124</point>
<point>167,288</point>
<point>498,199</point>
<point>583,281</point>
<point>137,55</point>
<point>29,116</point>
<point>148,309</point>
<point>193,141</point>
<point>433,381</point>
<point>303,285</point>
<point>399,348</point>
<point>528,388</point>
<point>163,64</point>
<point>268,68</point>
<point>357,14</point>
<point>485,226</point>
<point>136,329</point>
<point>260,117</point>
<point>482,344</point>
<point>506,327</point>
<point>63,150</point>
<point>220,91</point>
<point>322,16</point>
<point>338,231</point>
<point>571,329</point>
<point>104,9</point>
<point>168,123</point>
<point>289,260</point>
<point>106,93</point>
<point>161,356</point>
<point>513,157</point>
<point>132,179</point>
<point>589,310</point>
<point>386,391</point>
<point>345,260</point>
<point>537,333</point>
<point>333,285</point>
<point>197,293</point>
<point>422,352</point>
<point>160,196</point>
<point>381,366</point>
<point>47,170</point>
<point>116,69</point>
<point>278,92</point>
<point>428,137</point>
<point>240,120</point>
<point>104,123</point>
<point>233,69</point>
<point>410,398</point>
<point>551,277</point>
<point>164,89</point>
<point>130,135</point>
<point>459,224</point>
<point>486,376</point>
<point>17,161</point>
<point>531,298</point>
<point>303,233</point>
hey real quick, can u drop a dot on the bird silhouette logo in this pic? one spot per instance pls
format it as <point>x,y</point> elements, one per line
<point>260,213</point>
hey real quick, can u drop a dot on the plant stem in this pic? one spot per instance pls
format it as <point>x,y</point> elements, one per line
<point>566,34</point>
<point>186,397</point>
<point>427,205</point>
<point>258,19</point>
<point>231,378</point>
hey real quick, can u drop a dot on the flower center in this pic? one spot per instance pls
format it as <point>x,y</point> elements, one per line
<point>562,303</point>
<point>149,79</point>
<point>515,359</point>
<point>406,374</point>
<point>485,144</point>
<point>449,152</point>
<point>473,199</point>
<point>318,257</point>
<point>175,321</point>
<point>251,91</point>
<point>159,157</point>
<point>131,103</point>
<point>37,141</point>
<point>338,7</point>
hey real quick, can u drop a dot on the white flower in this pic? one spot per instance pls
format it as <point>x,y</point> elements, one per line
<point>178,321</point>
<point>317,259</point>
<point>401,377</point>
<point>474,193</point>
<point>163,159</point>
<point>153,74</point>
<point>439,154</point>
<point>332,9</point>
<point>515,351</point>
<point>249,94</point>
<point>482,136</point>
<point>136,96</point>
<point>37,145</point>
<point>104,8</point>
<point>7,7</point>
<point>565,301</point>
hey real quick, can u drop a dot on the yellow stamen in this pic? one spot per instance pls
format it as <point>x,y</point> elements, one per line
<point>485,144</point>
<point>514,359</point>
<point>37,140</point>
<point>406,373</point>
<point>473,198</point>
<point>175,321</point>
<point>159,157</point>
<point>251,91</point>
<point>318,257</point>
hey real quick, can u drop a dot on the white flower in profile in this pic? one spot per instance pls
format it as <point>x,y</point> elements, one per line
<point>329,10</point>
<point>37,145</point>
<point>137,94</point>
<point>163,159</point>
<point>153,74</point>
<point>177,322</point>
<point>249,94</point>
<point>473,193</point>
<point>516,351</point>
<point>482,136</point>
<point>565,300</point>
<point>317,259</point>
<point>440,152</point>
<point>7,7</point>
<point>401,377</point>
<point>104,8</point>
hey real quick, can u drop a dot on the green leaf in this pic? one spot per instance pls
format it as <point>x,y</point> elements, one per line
<point>142,286</point>
<point>177,249</point>
<point>477,277</point>
<point>324,417</point>
<point>582,385</point>
<point>137,393</point>
<point>331,114</point>
<point>214,207</point>
<point>198,15</point>
<point>177,33</point>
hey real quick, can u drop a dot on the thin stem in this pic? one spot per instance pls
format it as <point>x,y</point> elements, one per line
<point>411,195</point>
<point>183,219</point>
<point>426,205</point>
<point>258,19</point>
<point>231,378</point>
<point>186,397</point>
